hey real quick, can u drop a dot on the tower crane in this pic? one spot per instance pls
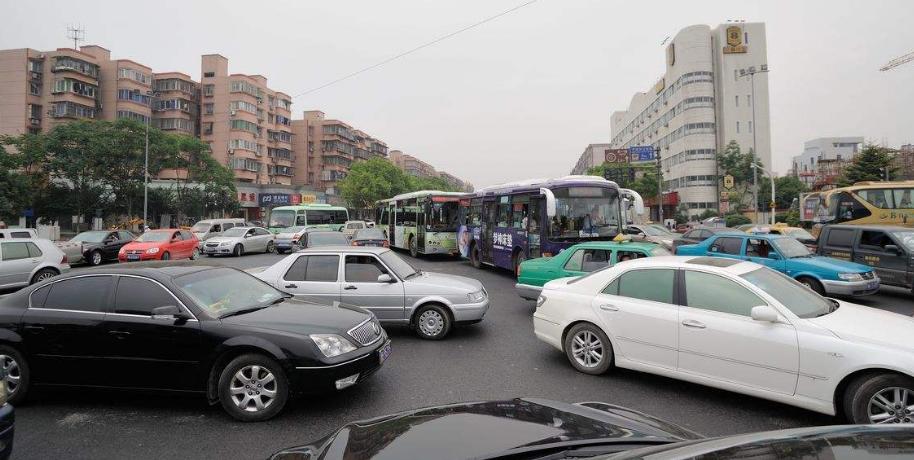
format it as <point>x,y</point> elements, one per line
<point>898,61</point>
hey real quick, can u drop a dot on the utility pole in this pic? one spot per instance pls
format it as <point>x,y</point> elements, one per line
<point>151,94</point>
<point>659,187</point>
<point>750,72</point>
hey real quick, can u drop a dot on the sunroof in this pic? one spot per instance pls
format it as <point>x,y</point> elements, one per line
<point>714,261</point>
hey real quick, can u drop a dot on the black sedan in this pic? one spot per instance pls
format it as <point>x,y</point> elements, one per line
<point>371,236</point>
<point>96,246</point>
<point>212,330</point>
<point>542,429</point>
<point>697,235</point>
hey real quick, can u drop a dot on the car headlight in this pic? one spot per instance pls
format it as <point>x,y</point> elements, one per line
<point>540,301</point>
<point>477,296</point>
<point>331,344</point>
<point>152,251</point>
<point>850,276</point>
<point>224,243</point>
<point>122,251</point>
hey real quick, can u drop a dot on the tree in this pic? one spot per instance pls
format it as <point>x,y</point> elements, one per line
<point>429,183</point>
<point>372,180</point>
<point>787,188</point>
<point>645,182</point>
<point>682,214</point>
<point>734,219</point>
<point>739,165</point>
<point>869,165</point>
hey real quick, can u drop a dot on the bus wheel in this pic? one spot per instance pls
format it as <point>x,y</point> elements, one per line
<point>413,247</point>
<point>474,256</point>
<point>519,258</point>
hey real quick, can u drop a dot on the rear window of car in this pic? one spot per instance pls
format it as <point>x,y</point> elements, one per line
<point>842,237</point>
<point>21,235</point>
<point>326,239</point>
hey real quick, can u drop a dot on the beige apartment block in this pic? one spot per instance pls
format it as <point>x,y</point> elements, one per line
<point>247,125</point>
<point>328,148</point>
<point>412,165</point>
<point>125,86</point>
<point>176,105</point>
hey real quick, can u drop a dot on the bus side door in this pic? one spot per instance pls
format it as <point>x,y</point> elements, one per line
<point>490,218</point>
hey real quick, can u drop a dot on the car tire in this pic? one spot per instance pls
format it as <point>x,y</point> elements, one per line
<point>43,274</point>
<point>96,258</point>
<point>474,257</point>
<point>194,255</point>
<point>166,256</point>
<point>432,322</point>
<point>588,349</point>
<point>413,247</point>
<point>270,247</point>
<point>17,373</point>
<point>871,399</point>
<point>237,391</point>
<point>238,251</point>
<point>813,284</point>
<point>519,258</point>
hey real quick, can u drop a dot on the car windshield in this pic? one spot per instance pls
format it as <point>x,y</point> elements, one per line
<point>220,291</point>
<point>800,234</point>
<point>660,251</point>
<point>327,239</point>
<point>585,212</point>
<point>401,267</point>
<point>798,298</point>
<point>369,234</point>
<point>906,239</point>
<point>237,231</point>
<point>282,218</point>
<point>790,248</point>
<point>201,227</point>
<point>90,237</point>
<point>155,237</point>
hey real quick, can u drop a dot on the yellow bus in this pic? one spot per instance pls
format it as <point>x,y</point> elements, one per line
<point>887,203</point>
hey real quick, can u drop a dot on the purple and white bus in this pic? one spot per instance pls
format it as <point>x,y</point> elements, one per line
<point>509,223</point>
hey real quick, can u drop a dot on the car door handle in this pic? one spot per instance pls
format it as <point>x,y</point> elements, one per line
<point>119,334</point>
<point>693,324</point>
<point>607,307</point>
<point>34,328</point>
<point>350,287</point>
<point>291,286</point>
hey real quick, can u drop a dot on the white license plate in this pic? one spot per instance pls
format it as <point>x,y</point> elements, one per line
<point>384,352</point>
<point>872,285</point>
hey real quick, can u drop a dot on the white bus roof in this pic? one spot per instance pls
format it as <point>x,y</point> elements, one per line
<point>309,205</point>
<point>531,183</point>
<point>421,193</point>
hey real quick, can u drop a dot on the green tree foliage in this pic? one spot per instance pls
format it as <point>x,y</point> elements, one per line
<point>735,219</point>
<point>787,188</point>
<point>372,180</point>
<point>429,183</point>
<point>708,213</point>
<point>869,165</point>
<point>739,165</point>
<point>645,182</point>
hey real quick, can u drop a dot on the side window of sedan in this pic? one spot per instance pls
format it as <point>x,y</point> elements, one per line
<point>575,261</point>
<point>363,269</point>
<point>125,236</point>
<point>137,296</point>
<point>88,293</point>
<point>727,245</point>
<point>655,285</point>
<point>314,268</point>
<point>261,232</point>
<point>716,293</point>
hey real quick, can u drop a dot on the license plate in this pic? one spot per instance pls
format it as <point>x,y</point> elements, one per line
<point>133,257</point>
<point>384,352</point>
<point>872,285</point>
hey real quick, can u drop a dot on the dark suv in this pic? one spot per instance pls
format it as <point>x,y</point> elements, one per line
<point>889,250</point>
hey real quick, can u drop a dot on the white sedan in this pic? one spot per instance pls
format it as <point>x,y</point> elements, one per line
<point>737,326</point>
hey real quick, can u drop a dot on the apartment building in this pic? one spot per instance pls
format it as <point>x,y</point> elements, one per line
<point>327,148</point>
<point>456,182</point>
<point>836,151</point>
<point>412,165</point>
<point>176,107</point>
<point>594,155</point>
<point>714,90</point>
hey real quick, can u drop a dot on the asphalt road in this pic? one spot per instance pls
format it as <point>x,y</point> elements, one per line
<point>498,358</point>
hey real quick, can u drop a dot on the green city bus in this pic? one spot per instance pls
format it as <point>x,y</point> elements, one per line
<point>316,215</point>
<point>425,222</point>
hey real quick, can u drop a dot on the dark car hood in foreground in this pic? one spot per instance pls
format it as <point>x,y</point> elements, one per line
<point>302,317</point>
<point>469,430</point>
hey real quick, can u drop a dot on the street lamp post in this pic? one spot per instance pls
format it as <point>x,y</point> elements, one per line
<point>659,187</point>
<point>151,94</point>
<point>758,165</point>
<point>750,72</point>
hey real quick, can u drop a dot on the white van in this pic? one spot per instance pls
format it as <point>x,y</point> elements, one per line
<point>208,228</point>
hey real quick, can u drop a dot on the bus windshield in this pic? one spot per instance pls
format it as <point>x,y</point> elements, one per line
<point>442,217</point>
<point>585,212</point>
<point>282,218</point>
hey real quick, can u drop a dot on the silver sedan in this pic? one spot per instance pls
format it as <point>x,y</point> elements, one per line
<point>239,240</point>
<point>378,280</point>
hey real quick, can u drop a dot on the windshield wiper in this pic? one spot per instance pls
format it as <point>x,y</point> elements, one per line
<point>244,310</point>
<point>415,273</point>
<point>587,447</point>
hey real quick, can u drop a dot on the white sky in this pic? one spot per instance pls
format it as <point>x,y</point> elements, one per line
<point>518,97</point>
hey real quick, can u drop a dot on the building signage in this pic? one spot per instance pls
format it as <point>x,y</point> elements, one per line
<point>728,182</point>
<point>734,41</point>
<point>308,199</point>
<point>641,153</point>
<point>661,84</point>
<point>274,199</point>
<point>671,54</point>
<point>295,198</point>
<point>615,156</point>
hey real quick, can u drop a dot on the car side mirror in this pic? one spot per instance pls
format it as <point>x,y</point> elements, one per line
<point>385,278</point>
<point>774,255</point>
<point>168,312</point>
<point>892,249</point>
<point>248,235</point>
<point>764,313</point>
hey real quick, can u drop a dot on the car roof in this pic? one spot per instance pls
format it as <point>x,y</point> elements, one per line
<point>155,270</point>
<point>713,264</point>
<point>331,248</point>
<point>614,245</point>
<point>873,227</point>
<point>22,240</point>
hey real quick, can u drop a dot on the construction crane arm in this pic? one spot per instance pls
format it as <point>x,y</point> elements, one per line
<point>897,62</point>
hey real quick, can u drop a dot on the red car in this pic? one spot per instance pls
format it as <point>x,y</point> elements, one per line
<point>164,244</point>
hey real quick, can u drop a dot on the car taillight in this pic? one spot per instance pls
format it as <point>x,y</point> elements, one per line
<point>386,244</point>
<point>356,243</point>
<point>64,260</point>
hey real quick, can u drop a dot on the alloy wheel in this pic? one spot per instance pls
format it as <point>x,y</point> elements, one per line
<point>270,247</point>
<point>44,275</point>
<point>431,323</point>
<point>587,349</point>
<point>253,388</point>
<point>892,405</point>
<point>96,258</point>
<point>13,374</point>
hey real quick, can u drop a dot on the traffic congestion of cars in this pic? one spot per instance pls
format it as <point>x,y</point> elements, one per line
<point>745,310</point>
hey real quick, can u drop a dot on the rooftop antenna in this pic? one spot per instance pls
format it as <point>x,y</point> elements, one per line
<point>664,40</point>
<point>76,33</point>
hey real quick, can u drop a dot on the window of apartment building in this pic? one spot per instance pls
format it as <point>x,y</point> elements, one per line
<point>750,125</point>
<point>749,100</point>
<point>127,114</point>
<point>208,109</point>
<point>737,127</point>
<point>239,86</point>
<point>77,65</point>
<point>35,87</point>
<point>180,124</point>
<point>134,74</point>
<point>173,104</point>
<point>209,74</point>
<point>243,105</point>
<point>35,65</point>
<point>285,154</point>
<point>243,125</point>
<point>737,100</point>
<point>209,90</point>
<point>174,84</point>
<point>245,164</point>
<point>70,109</point>
<point>244,144</point>
<point>68,85</point>
<point>133,96</point>
<point>208,127</point>
<point>34,111</point>
<point>283,120</point>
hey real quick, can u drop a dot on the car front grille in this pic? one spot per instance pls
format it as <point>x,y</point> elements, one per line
<point>133,251</point>
<point>366,333</point>
<point>212,245</point>
<point>869,275</point>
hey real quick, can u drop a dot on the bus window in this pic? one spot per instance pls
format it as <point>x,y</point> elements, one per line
<point>880,198</point>
<point>301,219</point>
<point>383,215</point>
<point>504,211</point>
<point>339,217</point>
<point>847,207</point>
<point>475,213</point>
<point>519,216</point>
<point>443,216</point>
<point>903,199</point>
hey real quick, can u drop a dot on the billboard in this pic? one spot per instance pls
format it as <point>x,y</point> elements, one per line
<point>615,156</point>
<point>641,152</point>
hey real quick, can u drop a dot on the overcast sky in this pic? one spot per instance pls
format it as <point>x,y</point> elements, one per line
<point>520,96</point>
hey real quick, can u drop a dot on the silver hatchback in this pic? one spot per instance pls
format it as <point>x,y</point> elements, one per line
<point>28,261</point>
<point>378,280</point>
